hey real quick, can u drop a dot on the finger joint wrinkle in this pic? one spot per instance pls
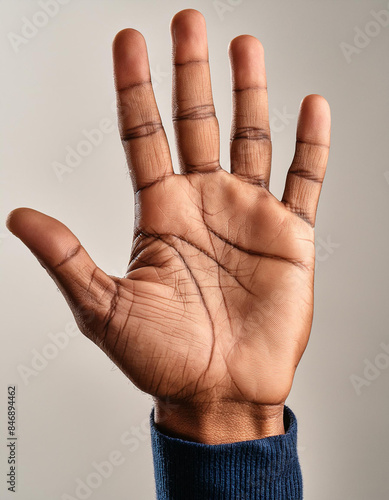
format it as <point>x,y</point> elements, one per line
<point>143,130</point>
<point>70,255</point>
<point>191,61</point>
<point>253,87</point>
<point>303,214</point>
<point>133,85</point>
<point>200,112</point>
<point>251,134</point>
<point>256,180</point>
<point>306,174</point>
<point>312,144</point>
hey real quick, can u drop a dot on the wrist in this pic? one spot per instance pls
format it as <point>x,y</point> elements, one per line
<point>219,422</point>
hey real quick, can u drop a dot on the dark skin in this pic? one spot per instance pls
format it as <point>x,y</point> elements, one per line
<point>215,311</point>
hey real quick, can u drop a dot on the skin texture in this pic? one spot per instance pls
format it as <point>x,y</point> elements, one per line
<point>215,310</point>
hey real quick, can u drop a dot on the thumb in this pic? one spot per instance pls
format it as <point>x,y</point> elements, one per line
<point>86,288</point>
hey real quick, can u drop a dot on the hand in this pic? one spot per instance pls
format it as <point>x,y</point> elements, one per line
<point>215,310</point>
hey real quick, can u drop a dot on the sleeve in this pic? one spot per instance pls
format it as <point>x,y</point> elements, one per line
<point>263,469</point>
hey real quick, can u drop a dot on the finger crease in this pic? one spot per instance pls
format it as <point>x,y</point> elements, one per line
<point>71,254</point>
<point>143,130</point>
<point>192,61</point>
<point>306,174</point>
<point>201,112</point>
<point>299,211</point>
<point>251,134</point>
<point>155,181</point>
<point>315,144</point>
<point>202,168</point>
<point>132,85</point>
<point>255,87</point>
<point>256,180</point>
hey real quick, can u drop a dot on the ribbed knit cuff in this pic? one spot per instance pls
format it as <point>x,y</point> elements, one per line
<point>263,469</point>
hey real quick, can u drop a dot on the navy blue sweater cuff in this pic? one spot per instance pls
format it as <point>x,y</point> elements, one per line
<point>263,469</point>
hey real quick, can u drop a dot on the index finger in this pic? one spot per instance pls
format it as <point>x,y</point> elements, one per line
<point>142,134</point>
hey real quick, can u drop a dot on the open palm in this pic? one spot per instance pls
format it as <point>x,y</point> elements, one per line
<point>217,301</point>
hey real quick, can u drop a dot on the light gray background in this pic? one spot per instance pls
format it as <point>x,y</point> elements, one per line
<point>75,410</point>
